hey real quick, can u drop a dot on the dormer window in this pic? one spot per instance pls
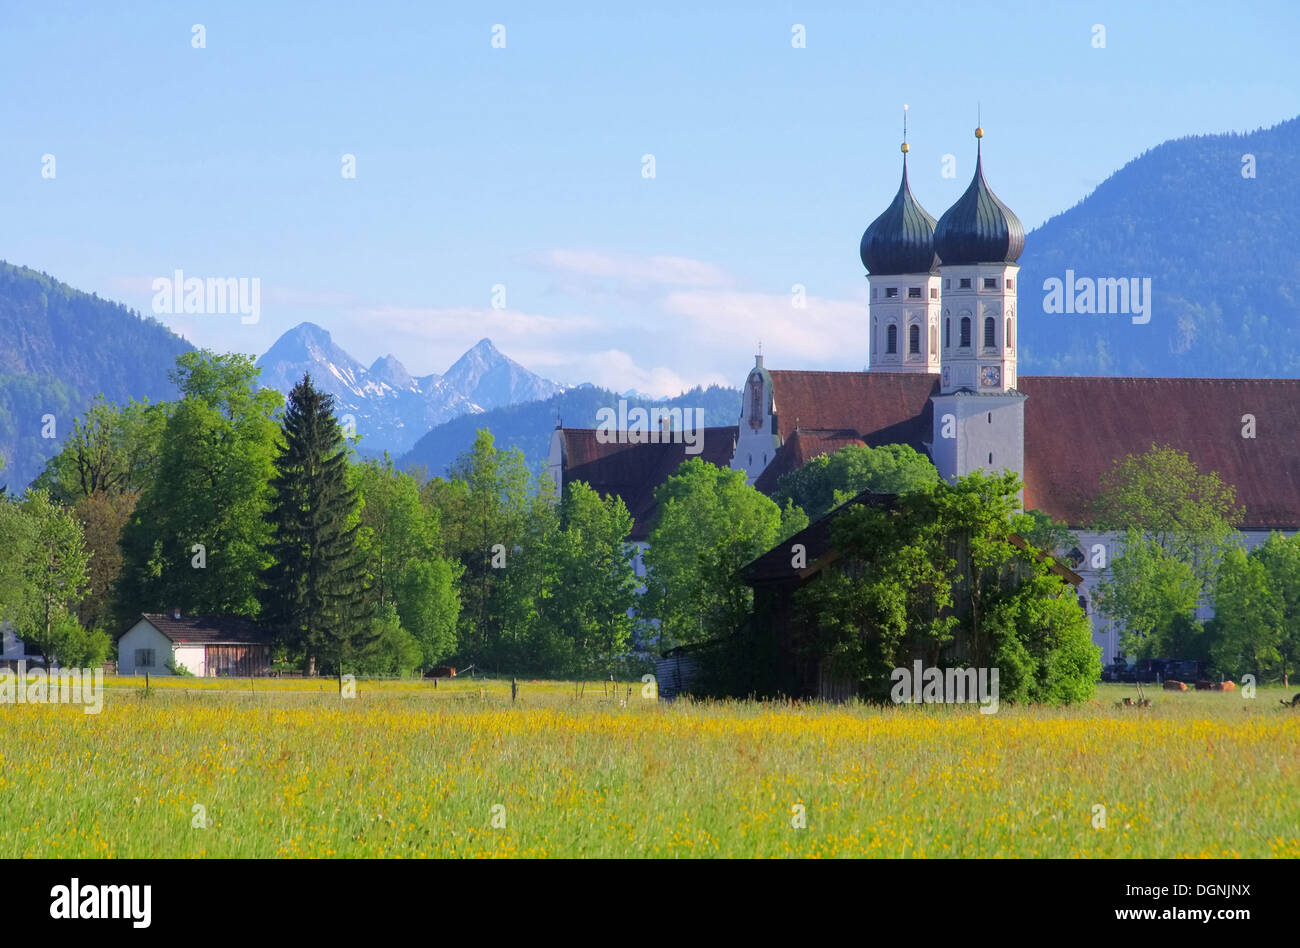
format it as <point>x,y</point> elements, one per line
<point>913,292</point>
<point>965,283</point>
<point>891,292</point>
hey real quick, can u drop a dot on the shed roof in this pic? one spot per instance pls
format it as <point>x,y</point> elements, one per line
<point>205,630</point>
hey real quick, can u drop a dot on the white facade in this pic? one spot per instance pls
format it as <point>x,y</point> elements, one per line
<point>1099,550</point>
<point>904,313</point>
<point>979,327</point>
<point>758,440</point>
<point>144,649</point>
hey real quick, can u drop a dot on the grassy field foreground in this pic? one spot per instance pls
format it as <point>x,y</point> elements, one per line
<point>209,769</point>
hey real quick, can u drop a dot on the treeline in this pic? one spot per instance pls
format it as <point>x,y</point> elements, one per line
<point>228,501</point>
<point>1179,553</point>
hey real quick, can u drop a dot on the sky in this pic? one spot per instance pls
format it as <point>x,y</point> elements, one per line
<point>502,181</point>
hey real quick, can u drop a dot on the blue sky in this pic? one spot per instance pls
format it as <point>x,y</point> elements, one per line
<point>522,166</point>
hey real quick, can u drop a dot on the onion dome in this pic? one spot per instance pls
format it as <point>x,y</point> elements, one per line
<point>901,240</point>
<point>979,228</point>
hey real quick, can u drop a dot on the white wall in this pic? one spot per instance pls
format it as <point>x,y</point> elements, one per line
<point>193,657</point>
<point>1105,631</point>
<point>143,635</point>
<point>757,441</point>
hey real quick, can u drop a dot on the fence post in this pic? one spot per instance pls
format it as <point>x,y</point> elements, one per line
<point>514,689</point>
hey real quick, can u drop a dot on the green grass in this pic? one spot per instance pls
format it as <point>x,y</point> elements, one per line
<point>288,768</point>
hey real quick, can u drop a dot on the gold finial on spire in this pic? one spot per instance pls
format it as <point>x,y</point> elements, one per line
<point>904,149</point>
<point>979,122</point>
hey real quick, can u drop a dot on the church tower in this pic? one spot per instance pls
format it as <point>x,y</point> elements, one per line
<point>903,312</point>
<point>979,417</point>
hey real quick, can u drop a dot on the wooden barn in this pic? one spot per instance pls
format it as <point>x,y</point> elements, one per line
<point>206,646</point>
<point>772,657</point>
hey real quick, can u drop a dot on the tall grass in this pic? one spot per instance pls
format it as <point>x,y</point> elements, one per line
<point>403,770</point>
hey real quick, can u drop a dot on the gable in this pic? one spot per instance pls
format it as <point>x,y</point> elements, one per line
<point>633,471</point>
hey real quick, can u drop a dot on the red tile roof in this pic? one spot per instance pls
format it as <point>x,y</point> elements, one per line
<point>633,471</point>
<point>1075,428</point>
<point>883,407</point>
<point>206,630</point>
<point>801,447</point>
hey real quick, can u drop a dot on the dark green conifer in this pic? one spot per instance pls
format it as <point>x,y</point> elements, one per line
<point>314,592</point>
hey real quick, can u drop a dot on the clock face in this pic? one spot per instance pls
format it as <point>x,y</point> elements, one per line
<point>990,375</point>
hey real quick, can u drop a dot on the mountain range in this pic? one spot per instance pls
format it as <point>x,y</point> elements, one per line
<point>1210,220</point>
<point>1218,244</point>
<point>528,425</point>
<point>389,407</point>
<point>59,347</point>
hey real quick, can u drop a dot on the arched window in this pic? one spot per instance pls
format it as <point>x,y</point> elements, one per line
<point>965,332</point>
<point>988,332</point>
<point>947,333</point>
<point>891,339</point>
<point>914,339</point>
<point>1011,332</point>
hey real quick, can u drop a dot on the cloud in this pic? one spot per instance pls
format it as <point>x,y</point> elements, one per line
<point>639,272</point>
<point>817,332</point>
<point>472,322</point>
<point>617,370</point>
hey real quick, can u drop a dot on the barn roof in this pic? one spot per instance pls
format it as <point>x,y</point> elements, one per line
<point>1075,428</point>
<point>633,471</point>
<point>205,630</point>
<point>774,566</point>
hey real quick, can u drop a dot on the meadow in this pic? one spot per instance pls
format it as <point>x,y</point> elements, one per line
<point>288,768</point>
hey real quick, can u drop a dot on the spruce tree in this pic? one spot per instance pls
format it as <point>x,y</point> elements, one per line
<point>314,592</point>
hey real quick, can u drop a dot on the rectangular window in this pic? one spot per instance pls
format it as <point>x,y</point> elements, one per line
<point>934,292</point>
<point>891,292</point>
<point>1011,284</point>
<point>990,283</point>
<point>965,283</point>
<point>913,292</point>
<point>144,658</point>
<point>947,284</point>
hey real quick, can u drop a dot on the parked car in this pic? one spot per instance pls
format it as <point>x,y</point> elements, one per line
<point>1150,670</point>
<point>1114,672</point>
<point>1188,670</point>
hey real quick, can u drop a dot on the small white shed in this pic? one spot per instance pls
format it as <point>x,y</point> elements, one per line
<point>206,646</point>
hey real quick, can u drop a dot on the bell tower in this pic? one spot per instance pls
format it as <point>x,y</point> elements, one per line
<point>979,416</point>
<point>903,311</point>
